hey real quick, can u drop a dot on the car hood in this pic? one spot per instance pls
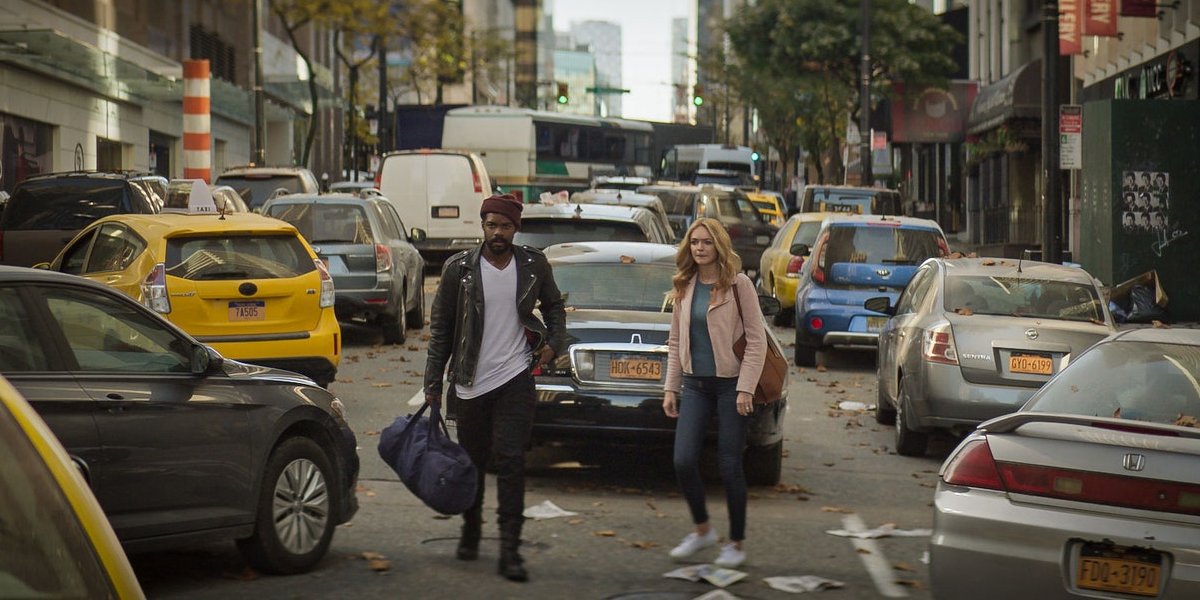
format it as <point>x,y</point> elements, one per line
<point>235,368</point>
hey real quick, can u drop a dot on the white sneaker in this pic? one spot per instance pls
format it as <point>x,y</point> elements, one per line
<point>694,543</point>
<point>730,557</point>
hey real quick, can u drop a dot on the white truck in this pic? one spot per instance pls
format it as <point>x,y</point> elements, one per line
<point>710,163</point>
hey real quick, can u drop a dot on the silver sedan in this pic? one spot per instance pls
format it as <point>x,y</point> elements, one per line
<point>1092,489</point>
<point>970,339</point>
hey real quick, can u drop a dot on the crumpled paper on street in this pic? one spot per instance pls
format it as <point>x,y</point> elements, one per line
<point>712,574</point>
<point>546,510</point>
<point>885,530</point>
<point>852,405</point>
<point>802,583</point>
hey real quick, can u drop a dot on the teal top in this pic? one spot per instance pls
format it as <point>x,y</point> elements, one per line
<point>703,363</point>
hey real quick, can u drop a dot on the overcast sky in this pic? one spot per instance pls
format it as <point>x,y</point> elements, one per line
<point>646,46</point>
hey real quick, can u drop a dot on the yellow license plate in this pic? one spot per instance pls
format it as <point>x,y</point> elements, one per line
<point>1033,364</point>
<point>622,367</point>
<point>1125,574</point>
<point>248,311</point>
<point>876,323</point>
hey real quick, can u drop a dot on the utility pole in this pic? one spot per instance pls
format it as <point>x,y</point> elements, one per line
<point>864,109</point>
<point>1051,192</point>
<point>260,122</point>
<point>385,123</point>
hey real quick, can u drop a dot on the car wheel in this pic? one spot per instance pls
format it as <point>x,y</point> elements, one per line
<point>763,464</point>
<point>294,519</point>
<point>885,413</point>
<point>416,316</point>
<point>908,442</point>
<point>393,326</point>
<point>805,355</point>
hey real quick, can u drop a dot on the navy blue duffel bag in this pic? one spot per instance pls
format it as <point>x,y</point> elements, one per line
<point>431,465</point>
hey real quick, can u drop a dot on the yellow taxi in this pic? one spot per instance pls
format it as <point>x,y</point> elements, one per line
<point>780,268</point>
<point>248,285</point>
<point>770,205</point>
<point>57,541</point>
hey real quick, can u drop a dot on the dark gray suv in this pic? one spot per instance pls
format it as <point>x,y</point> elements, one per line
<point>46,211</point>
<point>378,276</point>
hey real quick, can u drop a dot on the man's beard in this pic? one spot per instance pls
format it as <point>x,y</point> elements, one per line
<point>499,245</point>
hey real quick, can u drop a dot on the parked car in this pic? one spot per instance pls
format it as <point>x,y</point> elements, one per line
<point>57,542</point>
<point>378,275</point>
<point>45,211</point>
<point>544,225</point>
<point>608,388</point>
<point>226,198</point>
<point>850,199</point>
<point>627,198</point>
<point>352,187</point>
<point>780,269</point>
<point>856,257</point>
<point>770,205</point>
<point>973,338</point>
<point>750,232</point>
<point>179,444</point>
<point>248,285</point>
<point>1090,490</point>
<point>257,184</point>
<point>439,191</point>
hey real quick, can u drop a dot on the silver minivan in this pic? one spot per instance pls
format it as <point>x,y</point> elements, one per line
<point>439,191</point>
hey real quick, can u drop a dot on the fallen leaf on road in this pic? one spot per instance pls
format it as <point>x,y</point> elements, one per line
<point>371,433</point>
<point>413,348</point>
<point>640,545</point>
<point>352,357</point>
<point>802,498</point>
<point>246,574</point>
<point>399,359</point>
<point>836,509</point>
<point>379,565</point>
<point>928,484</point>
<point>381,385</point>
<point>442,517</point>
<point>1158,324</point>
<point>605,533</point>
<point>574,521</point>
<point>903,567</point>
<point>786,488</point>
<point>370,494</point>
<point>829,464</point>
<point>912,583</point>
<point>863,551</point>
<point>650,503</point>
<point>368,555</point>
<point>425,337</point>
<point>821,369</point>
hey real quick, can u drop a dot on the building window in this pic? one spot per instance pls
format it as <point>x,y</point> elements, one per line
<point>24,150</point>
<point>222,62</point>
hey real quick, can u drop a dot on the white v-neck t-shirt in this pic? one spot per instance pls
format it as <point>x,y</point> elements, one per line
<point>504,351</point>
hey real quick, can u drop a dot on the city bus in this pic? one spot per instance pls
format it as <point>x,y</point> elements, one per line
<point>528,152</point>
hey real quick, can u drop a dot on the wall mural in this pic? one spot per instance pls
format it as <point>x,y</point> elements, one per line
<point>1146,207</point>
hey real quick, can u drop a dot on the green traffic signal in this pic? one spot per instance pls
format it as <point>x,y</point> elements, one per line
<point>697,100</point>
<point>754,156</point>
<point>562,99</point>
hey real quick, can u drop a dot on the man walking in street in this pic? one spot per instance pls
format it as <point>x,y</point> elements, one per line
<point>482,329</point>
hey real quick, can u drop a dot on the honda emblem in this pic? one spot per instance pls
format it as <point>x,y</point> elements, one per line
<point>1134,462</point>
<point>1031,334</point>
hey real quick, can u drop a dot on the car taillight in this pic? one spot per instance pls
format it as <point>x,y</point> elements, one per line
<point>819,256</point>
<point>943,247</point>
<point>816,323</point>
<point>793,267</point>
<point>378,176</point>
<point>154,290</point>
<point>974,467</point>
<point>939,345</point>
<point>819,275</point>
<point>478,183</point>
<point>383,258</point>
<point>326,284</point>
<point>1101,488</point>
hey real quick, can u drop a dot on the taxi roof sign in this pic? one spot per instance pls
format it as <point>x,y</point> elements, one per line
<point>199,200</point>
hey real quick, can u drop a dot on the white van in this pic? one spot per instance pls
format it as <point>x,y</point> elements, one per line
<point>710,163</point>
<point>439,191</point>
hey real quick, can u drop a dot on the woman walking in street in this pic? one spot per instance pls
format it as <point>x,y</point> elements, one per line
<point>715,303</point>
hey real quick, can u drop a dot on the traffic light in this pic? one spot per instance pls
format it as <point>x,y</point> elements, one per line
<point>754,156</point>
<point>697,94</point>
<point>563,97</point>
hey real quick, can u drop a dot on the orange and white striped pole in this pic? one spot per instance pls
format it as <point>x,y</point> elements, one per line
<point>197,123</point>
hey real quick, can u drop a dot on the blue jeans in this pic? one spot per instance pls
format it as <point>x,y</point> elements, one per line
<point>702,398</point>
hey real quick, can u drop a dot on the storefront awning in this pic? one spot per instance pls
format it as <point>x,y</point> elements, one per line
<point>1017,95</point>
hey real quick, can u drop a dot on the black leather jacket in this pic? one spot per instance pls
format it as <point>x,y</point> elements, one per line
<point>456,319</point>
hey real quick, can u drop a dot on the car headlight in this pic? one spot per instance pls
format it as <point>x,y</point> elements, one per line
<point>585,364</point>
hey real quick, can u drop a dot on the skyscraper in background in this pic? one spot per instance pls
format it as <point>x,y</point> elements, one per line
<point>681,70</point>
<point>604,40</point>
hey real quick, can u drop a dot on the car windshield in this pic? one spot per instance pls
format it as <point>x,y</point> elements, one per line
<point>615,285</point>
<point>326,223</point>
<point>202,258</point>
<point>540,233</point>
<point>1142,381</point>
<point>872,244</point>
<point>1023,297</point>
<point>256,190</point>
<point>67,203</point>
<point>44,552</point>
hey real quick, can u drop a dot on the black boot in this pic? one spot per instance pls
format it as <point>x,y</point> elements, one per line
<point>472,530</point>
<point>510,558</point>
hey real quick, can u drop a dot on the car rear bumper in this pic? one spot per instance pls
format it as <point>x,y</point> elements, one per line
<point>313,353</point>
<point>840,325</point>
<point>949,401</point>
<point>1024,551</point>
<point>363,304</point>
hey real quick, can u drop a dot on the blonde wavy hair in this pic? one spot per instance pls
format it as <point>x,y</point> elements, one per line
<point>728,262</point>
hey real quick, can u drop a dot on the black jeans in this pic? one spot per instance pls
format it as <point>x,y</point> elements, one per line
<point>496,426</point>
<point>703,397</point>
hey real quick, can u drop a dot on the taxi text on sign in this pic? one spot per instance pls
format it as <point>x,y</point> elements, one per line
<point>1070,27</point>
<point>1100,18</point>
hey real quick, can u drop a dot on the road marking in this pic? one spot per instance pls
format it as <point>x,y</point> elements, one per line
<point>873,559</point>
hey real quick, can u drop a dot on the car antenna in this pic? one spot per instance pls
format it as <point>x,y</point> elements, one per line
<point>1021,258</point>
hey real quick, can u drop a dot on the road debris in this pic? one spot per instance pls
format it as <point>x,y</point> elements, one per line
<point>547,510</point>
<point>885,530</point>
<point>802,583</point>
<point>714,575</point>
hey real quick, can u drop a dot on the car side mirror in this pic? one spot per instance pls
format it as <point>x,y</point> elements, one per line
<point>880,304</point>
<point>205,360</point>
<point>417,235</point>
<point>799,250</point>
<point>769,306</point>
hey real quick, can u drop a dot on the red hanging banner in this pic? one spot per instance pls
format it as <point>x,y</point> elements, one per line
<point>1101,18</point>
<point>1139,8</point>
<point>1070,27</point>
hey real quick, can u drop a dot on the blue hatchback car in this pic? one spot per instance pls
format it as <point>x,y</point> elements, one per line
<point>857,257</point>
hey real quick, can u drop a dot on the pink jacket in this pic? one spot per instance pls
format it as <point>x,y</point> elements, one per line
<point>724,328</point>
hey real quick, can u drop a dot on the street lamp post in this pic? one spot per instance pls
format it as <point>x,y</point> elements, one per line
<point>864,108</point>
<point>1051,194</point>
<point>260,123</point>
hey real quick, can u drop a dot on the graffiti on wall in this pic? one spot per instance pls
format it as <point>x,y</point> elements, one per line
<point>1146,208</point>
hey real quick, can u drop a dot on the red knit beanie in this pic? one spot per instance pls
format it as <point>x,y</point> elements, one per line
<point>503,204</point>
